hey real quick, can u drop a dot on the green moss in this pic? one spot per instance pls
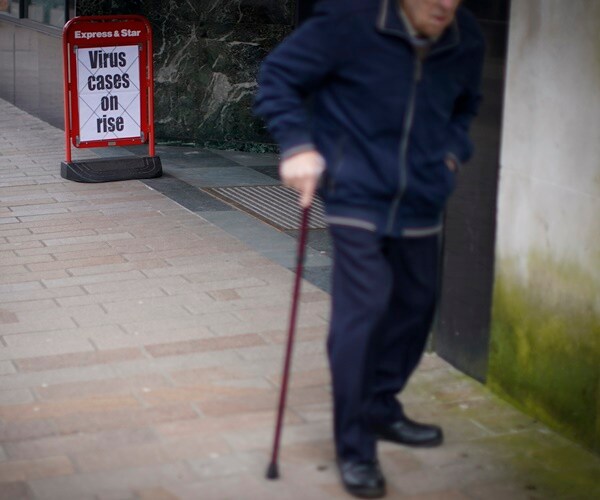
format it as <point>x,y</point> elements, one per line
<point>545,346</point>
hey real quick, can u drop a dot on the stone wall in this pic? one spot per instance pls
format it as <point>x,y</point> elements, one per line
<point>545,352</point>
<point>207,54</point>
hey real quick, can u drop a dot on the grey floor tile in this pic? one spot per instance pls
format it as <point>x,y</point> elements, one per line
<point>320,276</point>
<point>249,159</point>
<point>273,244</point>
<point>221,176</point>
<point>186,195</point>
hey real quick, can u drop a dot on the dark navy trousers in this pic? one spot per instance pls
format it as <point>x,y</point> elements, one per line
<point>383,301</point>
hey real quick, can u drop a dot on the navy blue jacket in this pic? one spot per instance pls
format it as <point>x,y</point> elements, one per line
<point>384,114</point>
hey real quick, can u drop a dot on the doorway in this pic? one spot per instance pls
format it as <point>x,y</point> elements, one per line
<point>462,334</point>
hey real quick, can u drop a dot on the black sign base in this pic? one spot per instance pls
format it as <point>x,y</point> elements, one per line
<point>112,169</point>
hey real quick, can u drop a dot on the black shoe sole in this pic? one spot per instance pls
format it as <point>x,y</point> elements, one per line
<point>423,444</point>
<point>362,493</point>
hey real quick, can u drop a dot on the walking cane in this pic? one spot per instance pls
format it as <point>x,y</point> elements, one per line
<point>273,469</point>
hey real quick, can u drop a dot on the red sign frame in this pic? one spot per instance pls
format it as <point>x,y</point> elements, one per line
<point>97,32</point>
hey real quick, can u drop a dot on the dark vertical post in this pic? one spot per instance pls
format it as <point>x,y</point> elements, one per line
<point>462,333</point>
<point>67,95</point>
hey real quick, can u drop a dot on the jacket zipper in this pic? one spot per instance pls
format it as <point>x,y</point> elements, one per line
<point>406,130</point>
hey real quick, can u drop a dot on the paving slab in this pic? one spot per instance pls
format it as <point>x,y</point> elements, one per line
<point>141,339</point>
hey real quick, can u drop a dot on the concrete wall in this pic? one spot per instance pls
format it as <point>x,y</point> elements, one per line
<point>31,69</point>
<point>545,351</point>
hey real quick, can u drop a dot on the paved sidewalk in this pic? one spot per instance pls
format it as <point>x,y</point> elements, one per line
<point>141,345</point>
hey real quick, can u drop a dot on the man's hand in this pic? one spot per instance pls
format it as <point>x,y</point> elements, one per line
<point>451,163</point>
<point>301,172</point>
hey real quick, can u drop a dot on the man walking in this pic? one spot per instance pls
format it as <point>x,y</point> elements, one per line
<point>393,87</point>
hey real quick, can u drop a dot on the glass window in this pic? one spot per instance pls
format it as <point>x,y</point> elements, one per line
<point>10,7</point>
<point>50,12</point>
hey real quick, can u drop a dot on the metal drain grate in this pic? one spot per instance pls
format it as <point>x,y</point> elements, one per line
<point>276,205</point>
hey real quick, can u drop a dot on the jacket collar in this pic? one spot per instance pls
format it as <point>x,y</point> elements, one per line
<point>390,23</point>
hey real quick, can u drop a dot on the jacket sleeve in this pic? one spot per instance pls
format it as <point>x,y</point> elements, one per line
<point>288,76</point>
<point>460,146</point>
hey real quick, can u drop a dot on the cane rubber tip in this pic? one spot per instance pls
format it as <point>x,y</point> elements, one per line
<point>272,471</point>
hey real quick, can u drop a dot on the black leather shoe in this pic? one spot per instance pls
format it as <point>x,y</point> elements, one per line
<point>406,431</point>
<point>362,479</point>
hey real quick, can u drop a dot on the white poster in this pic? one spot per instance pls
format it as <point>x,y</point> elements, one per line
<point>108,83</point>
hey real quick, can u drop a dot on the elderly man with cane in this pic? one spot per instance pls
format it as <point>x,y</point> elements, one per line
<point>371,102</point>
